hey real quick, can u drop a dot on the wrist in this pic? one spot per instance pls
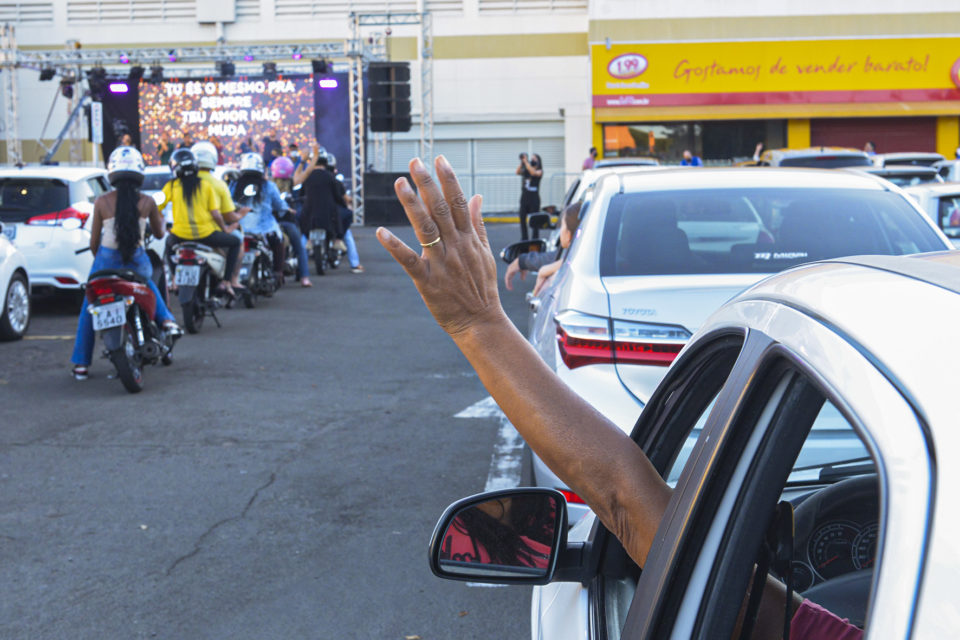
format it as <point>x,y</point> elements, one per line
<point>483,330</point>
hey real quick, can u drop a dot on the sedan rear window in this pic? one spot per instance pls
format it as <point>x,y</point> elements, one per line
<point>826,162</point>
<point>22,198</point>
<point>755,230</point>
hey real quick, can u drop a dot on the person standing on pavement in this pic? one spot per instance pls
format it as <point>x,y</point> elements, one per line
<point>591,159</point>
<point>272,147</point>
<point>323,200</point>
<point>346,218</point>
<point>690,160</point>
<point>531,169</point>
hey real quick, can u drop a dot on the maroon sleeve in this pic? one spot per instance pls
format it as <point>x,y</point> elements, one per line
<point>813,622</point>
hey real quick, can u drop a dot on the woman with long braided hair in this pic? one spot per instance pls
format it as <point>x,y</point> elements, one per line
<point>120,218</point>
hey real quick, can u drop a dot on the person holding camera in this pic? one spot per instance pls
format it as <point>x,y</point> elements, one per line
<point>531,169</point>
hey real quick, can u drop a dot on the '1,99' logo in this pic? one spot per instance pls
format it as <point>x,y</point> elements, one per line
<point>628,65</point>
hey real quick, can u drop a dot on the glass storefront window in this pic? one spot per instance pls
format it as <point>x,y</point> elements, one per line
<point>716,142</point>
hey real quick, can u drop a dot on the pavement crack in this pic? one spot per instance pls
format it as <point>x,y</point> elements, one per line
<point>198,545</point>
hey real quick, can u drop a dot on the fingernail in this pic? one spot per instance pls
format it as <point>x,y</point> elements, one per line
<point>402,184</point>
<point>418,165</point>
<point>442,161</point>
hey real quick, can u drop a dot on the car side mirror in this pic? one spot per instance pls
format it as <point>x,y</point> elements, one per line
<point>510,252</point>
<point>540,220</point>
<point>514,536</point>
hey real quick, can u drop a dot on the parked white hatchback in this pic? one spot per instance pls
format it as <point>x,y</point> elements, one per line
<point>45,212</point>
<point>14,291</point>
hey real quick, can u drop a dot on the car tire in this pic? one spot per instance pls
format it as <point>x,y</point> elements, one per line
<point>15,313</point>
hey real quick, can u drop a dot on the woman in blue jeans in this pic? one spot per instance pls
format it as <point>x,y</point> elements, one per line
<point>120,218</point>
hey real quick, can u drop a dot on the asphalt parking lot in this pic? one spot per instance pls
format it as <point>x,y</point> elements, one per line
<point>280,480</point>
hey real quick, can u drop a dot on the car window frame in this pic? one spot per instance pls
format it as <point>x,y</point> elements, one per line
<point>905,508</point>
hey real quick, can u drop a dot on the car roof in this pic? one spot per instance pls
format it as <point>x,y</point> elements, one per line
<point>815,151</point>
<point>157,168</point>
<point>621,162</point>
<point>51,171</point>
<point>898,169</point>
<point>744,177</point>
<point>906,155</point>
<point>937,189</point>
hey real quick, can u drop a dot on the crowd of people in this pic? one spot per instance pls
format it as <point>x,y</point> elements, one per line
<point>205,210</point>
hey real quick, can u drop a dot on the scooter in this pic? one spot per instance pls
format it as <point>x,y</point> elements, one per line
<point>122,306</point>
<point>256,270</point>
<point>199,269</point>
<point>325,255</point>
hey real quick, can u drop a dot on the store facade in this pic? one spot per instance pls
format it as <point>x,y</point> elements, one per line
<point>720,98</point>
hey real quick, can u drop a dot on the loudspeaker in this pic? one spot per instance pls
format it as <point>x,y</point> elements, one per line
<point>380,204</point>
<point>388,96</point>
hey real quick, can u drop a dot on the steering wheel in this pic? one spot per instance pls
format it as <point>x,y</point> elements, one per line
<point>846,595</point>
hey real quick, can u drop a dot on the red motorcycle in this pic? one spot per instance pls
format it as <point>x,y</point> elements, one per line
<point>122,306</point>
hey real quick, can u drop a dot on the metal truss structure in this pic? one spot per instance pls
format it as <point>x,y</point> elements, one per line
<point>357,52</point>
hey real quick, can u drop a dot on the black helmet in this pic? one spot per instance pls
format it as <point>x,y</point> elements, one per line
<point>184,163</point>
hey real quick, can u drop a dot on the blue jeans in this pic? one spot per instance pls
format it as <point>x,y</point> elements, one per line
<point>110,259</point>
<point>296,241</point>
<point>352,256</point>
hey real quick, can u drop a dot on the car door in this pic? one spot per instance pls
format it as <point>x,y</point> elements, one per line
<point>709,542</point>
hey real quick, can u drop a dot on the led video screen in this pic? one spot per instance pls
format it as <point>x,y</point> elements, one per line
<point>234,112</point>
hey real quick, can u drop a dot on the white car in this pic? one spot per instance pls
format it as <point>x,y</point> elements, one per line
<point>14,291</point>
<point>46,213</point>
<point>942,203</point>
<point>949,170</point>
<point>870,539</point>
<point>658,251</point>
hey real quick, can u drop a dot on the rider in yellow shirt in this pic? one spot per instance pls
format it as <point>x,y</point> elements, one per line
<point>196,213</point>
<point>207,157</point>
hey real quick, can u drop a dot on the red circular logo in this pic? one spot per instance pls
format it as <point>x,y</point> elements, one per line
<point>955,73</point>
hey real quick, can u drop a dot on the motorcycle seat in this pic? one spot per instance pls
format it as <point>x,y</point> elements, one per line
<point>126,274</point>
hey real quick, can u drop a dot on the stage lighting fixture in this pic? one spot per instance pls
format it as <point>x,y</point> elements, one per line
<point>124,58</point>
<point>66,88</point>
<point>136,72</point>
<point>320,67</point>
<point>270,70</point>
<point>296,54</point>
<point>172,55</point>
<point>248,57</point>
<point>156,74</point>
<point>119,87</point>
<point>47,73</point>
<point>226,68</point>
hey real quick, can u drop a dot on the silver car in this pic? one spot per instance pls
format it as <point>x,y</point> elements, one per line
<point>942,203</point>
<point>657,252</point>
<point>869,538</point>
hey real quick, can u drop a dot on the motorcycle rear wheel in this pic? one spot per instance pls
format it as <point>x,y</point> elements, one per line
<point>192,316</point>
<point>124,359</point>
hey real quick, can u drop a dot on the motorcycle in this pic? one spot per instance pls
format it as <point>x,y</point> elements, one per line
<point>199,269</point>
<point>122,306</point>
<point>256,270</point>
<point>325,255</point>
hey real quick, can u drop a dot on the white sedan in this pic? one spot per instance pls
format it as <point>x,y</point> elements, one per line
<point>46,213</point>
<point>942,203</point>
<point>14,291</point>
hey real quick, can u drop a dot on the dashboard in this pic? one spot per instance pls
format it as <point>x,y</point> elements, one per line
<point>836,531</point>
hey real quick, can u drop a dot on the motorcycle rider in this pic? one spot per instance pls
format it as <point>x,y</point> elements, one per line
<point>196,215</point>
<point>281,172</point>
<point>116,240</point>
<point>321,209</point>
<point>207,158</point>
<point>346,218</point>
<point>265,201</point>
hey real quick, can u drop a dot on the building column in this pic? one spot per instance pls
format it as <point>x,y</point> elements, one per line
<point>798,133</point>
<point>948,136</point>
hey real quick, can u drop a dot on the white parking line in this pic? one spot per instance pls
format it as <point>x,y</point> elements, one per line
<point>507,458</point>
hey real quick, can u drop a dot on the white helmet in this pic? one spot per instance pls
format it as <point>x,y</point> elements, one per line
<point>252,163</point>
<point>206,154</point>
<point>331,159</point>
<point>125,163</point>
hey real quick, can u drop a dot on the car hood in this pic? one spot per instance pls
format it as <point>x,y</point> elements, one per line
<point>681,300</point>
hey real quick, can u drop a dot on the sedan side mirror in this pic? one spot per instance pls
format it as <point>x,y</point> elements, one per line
<point>501,537</point>
<point>540,220</point>
<point>510,252</point>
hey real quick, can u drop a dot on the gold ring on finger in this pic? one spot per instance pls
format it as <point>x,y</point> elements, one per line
<point>431,243</point>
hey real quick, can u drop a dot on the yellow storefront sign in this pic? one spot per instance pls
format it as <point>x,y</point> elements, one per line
<point>776,72</point>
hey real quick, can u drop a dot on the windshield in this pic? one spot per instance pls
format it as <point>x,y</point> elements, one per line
<point>826,162</point>
<point>22,198</point>
<point>949,215</point>
<point>909,179</point>
<point>155,181</point>
<point>755,230</point>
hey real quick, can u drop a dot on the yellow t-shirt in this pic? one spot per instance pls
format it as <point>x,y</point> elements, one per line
<point>192,222</point>
<point>223,191</point>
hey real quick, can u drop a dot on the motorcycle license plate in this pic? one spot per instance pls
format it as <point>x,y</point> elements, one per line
<point>107,316</point>
<point>187,275</point>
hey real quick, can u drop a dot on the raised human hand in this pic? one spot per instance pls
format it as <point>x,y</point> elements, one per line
<point>513,269</point>
<point>455,272</point>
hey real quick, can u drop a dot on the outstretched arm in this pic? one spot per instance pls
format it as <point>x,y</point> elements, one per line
<point>457,279</point>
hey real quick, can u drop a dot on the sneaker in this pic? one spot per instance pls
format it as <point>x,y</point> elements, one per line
<point>340,245</point>
<point>357,269</point>
<point>80,373</point>
<point>305,282</point>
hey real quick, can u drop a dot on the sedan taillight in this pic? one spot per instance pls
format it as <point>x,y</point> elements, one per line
<point>587,340</point>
